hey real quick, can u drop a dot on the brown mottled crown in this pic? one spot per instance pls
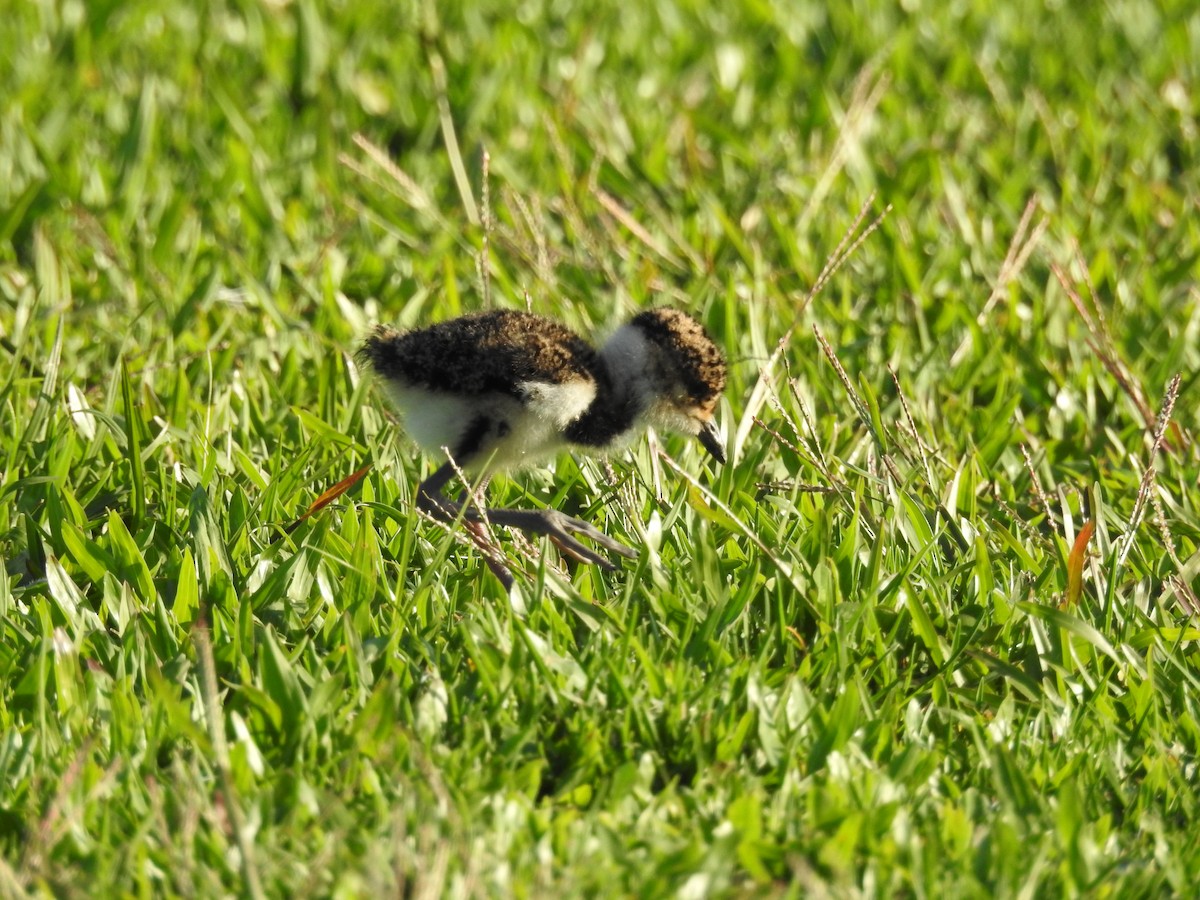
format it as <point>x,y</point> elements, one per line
<point>696,362</point>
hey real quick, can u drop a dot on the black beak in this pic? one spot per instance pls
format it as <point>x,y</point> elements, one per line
<point>710,438</point>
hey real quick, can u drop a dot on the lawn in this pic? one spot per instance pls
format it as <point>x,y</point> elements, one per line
<point>932,631</point>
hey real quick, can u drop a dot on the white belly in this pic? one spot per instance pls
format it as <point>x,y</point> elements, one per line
<point>520,433</point>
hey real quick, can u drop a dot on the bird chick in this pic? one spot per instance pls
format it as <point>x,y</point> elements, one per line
<point>507,389</point>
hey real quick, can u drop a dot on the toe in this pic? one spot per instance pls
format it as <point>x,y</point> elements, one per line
<point>570,547</point>
<point>592,533</point>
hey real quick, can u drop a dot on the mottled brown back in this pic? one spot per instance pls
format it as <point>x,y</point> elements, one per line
<point>482,353</point>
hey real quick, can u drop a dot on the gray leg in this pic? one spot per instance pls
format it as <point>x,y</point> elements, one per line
<point>432,502</point>
<point>558,527</point>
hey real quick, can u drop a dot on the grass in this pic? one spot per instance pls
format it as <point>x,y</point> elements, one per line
<point>870,656</point>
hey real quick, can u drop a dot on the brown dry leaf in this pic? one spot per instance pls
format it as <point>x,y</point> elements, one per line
<point>332,494</point>
<point>1075,565</point>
